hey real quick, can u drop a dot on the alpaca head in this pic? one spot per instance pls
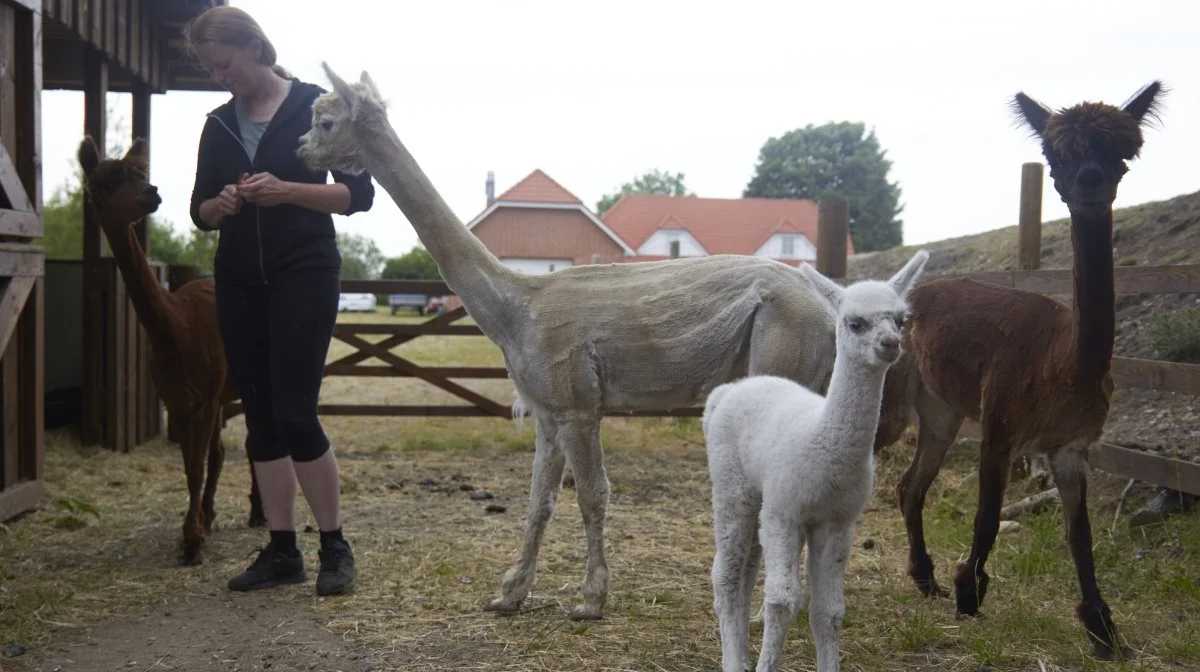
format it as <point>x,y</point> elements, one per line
<point>337,117</point>
<point>120,189</point>
<point>1088,144</point>
<point>870,313</point>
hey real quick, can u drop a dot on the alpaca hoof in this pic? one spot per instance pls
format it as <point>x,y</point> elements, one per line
<point>502,605</point>
<point>931,588</point>
<point>586,612</point>
<point>191,558</point>
<point>1106,653</point>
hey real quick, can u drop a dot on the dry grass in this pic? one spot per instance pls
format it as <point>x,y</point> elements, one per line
<point>429,560</point>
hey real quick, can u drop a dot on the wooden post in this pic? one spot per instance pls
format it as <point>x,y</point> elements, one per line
<point>833,226</point>
<point>1029,243</point>
<point>91,430</point>
<point>143,397</point>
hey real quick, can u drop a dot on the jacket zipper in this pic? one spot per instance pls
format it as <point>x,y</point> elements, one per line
<point>257,210</point>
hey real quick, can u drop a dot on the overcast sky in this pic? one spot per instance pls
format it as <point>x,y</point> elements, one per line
<point>597,93</point>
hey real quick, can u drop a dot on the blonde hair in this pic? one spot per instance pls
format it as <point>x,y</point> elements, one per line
<point>235,27</point>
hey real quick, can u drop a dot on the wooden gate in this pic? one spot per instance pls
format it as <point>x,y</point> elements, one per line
<point>21,263</point>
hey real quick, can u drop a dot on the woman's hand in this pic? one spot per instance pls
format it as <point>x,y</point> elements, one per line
<point>229,201</point>
<point>265,189</point>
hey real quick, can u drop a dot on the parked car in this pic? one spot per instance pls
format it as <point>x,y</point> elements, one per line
<point>415,301</point>
<point>356,303</point>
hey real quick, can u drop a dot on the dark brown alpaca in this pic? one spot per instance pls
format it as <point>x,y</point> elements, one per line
<point>1032,372</point>
<point>187,358</point>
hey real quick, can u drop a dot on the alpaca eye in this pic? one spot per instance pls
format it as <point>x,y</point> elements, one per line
<point>900,322</point>
<point>856,324</point>
<point>327,125</point>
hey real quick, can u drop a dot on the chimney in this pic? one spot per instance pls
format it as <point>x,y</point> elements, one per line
<point>491,188</point>
<point>674,249</point>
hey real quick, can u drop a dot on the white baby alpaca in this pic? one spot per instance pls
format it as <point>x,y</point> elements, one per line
<point>790,467</point>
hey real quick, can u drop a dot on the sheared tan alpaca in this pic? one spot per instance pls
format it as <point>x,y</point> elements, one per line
<point>590,340</point>
<point>186,356</point>
<point>1033,373</point>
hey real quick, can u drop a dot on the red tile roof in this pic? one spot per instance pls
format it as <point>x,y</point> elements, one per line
<point>538,187</point>
<point>794,263</point>
<point>721,225</point>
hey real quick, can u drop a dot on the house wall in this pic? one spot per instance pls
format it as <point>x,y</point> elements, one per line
<point>545,233</point>
<point>802,248</point>
<point>659,244</point>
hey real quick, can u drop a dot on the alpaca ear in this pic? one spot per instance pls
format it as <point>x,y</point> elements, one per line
<point>137,150</point>
<point>340,87</point>
<point>830,290</point>
<point>370,84</point>
<point>1032,113</point>
<point>1144,105</point>
<point>905,278</point>
<point>89,156</point>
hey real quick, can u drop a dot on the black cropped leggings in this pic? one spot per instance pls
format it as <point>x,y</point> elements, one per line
<point>276,338</point>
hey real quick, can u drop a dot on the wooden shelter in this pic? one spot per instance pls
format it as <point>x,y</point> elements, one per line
<point>94,46</point>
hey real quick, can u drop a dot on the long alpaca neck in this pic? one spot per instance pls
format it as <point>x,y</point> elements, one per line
<point>852,405</point>
<point>150,300</point>
<point>1095,321</point>
<point>488,287</point>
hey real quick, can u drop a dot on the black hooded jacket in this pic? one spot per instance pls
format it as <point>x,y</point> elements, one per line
<point>262,241</point>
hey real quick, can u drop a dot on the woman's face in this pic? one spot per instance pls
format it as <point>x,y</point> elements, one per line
<point>233,67</point>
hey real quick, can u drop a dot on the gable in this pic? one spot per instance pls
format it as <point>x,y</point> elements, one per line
<point>523,232</point>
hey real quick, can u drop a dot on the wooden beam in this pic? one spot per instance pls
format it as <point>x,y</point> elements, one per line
<point>391,372</point>
<point>94,398</point>
<point>1172,279</point>
<point>10,411</point>
<point>346,329</point>
<point>21,224</point>
<point>29,113</point>
<point>31,5</point>
<point>1148,374</point>
<point>141,129</point>
<point>1029,225</point>
<point>10,183</point>
<point>21,260</point>
<point>20,498</point>
<point>31,335</point>
<point>1146,467</point>
<point>833,228</point>
<point>12,301</point>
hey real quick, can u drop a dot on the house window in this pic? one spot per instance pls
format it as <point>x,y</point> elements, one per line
<point>789,246</point>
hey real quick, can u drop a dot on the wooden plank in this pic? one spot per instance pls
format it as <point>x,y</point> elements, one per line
<point>132,379</point>
<point>391,372</point>
<point>91,429</point>
<point>12,301</point>
<point>29,112</point>
<point>10,414</point>
<point>1172,279</point>
<point>121,32</point>
<point>1148,374</point>
<point>32,380</point>
<point>96,14</point>
<point>21,224</point>
<point>135,38</point>
<point>426,329</point>
<point>430,287</point>
<point>83,19</point>
<point>1146,467</point>
<point>117,306</point>
<point>234,409</point>
<point>141,129</point>
<point>393,341</point>
<point>10,183</point>
<point>21,260</point>
<point>421,372</point>
<point>20,498</point>
<point>31,5</point>
<point>8,95</point>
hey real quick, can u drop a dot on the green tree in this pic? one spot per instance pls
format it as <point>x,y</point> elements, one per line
<point>834,159</point>
<point>361,258</point>
<point>652,182</point>
<point>416,264</point>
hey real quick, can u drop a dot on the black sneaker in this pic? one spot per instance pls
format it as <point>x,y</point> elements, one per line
<point>271,568</point>
<point>337,569</point>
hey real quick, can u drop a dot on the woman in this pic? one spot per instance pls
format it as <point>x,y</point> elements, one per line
<point>277,273</point>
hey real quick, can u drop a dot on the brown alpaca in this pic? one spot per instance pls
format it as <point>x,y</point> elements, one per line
<point>1032,372</point>
<point>187,358</point>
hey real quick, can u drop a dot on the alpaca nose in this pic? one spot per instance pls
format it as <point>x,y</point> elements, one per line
<point>890,342</point>
<point>1090,177</point>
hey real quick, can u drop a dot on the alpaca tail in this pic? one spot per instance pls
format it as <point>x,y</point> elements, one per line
<point>711,403</point>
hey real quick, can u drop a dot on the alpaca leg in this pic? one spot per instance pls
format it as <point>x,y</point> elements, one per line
<point>971,581</point>
<point>257,517</point>
<point>195,448</point>
<point>581,446</point>
<point>937,428</point>
<point>752,577</point>
<point>543,494</point>
<point>734,562</point>
<point>216,460</point>
<point>1070,475</point>
<point>781,552</point>
<point>828,554</point>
